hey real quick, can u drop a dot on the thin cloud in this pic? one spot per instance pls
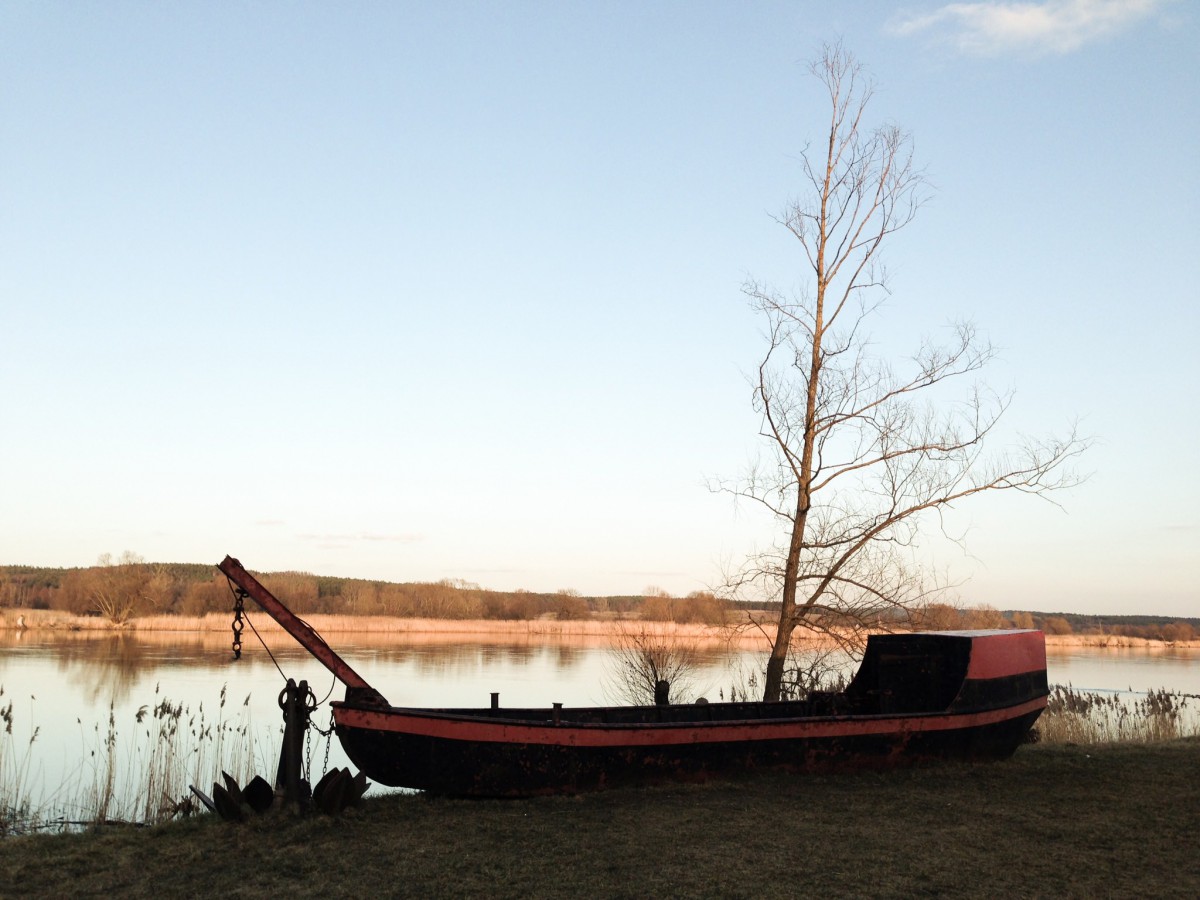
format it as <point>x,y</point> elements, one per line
<point>996,27</point>
<point>343,539</point>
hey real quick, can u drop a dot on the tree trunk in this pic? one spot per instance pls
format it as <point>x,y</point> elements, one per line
<point>776,661</point>
<point>787,612</point>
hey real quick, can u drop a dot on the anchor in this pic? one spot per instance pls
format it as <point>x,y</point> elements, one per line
<point>337,790</point>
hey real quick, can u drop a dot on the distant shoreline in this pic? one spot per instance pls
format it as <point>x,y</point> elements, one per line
<point>576,631</point>
<point>1115,641</point>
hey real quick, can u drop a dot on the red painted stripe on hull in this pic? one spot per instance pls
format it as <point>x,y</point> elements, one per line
<point>599,735</point>
<point>999,655</point>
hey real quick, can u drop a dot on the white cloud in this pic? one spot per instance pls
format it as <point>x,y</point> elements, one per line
<point>994,27</point>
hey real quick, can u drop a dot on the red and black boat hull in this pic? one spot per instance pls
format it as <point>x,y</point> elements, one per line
<point>916,697</point>
<point>457,754</point>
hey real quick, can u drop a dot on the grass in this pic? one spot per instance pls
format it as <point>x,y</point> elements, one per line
<point>1067,817</point>
<point>1055,821</point>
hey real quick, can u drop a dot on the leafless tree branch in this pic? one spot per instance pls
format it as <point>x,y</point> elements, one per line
<point>865,456</point>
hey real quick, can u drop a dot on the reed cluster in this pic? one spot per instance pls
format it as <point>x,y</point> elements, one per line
<point>130,773</point>
<point>1091,717</point>
<point>15,805</point>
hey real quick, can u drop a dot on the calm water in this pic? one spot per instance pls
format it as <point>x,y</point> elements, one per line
<point>66,688</point>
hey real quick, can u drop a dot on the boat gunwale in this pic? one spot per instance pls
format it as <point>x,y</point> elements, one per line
<point>544,717</point>
<point>484,729</point>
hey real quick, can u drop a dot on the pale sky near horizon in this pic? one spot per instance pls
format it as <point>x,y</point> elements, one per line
<point>417,291</point>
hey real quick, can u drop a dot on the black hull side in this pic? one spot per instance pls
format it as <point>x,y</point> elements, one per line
<point>499,769</point>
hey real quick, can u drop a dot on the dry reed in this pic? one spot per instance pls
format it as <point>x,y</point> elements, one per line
<point>1091,717</point>
<point>15,803</point>
<point>141,779</point>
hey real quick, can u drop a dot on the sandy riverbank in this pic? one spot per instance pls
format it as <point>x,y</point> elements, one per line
<point>577,632</point>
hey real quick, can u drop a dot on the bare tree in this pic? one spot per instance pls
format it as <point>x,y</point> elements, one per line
<point>119,588</point>
<point>861,459</point>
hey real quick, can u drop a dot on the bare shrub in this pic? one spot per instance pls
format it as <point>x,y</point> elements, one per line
<point>118,588</point>
<point>815,668</point>
<point>641,657</point>
<point>1056,625</point>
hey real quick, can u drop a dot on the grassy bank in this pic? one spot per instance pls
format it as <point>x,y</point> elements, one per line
<point>1117,820</point>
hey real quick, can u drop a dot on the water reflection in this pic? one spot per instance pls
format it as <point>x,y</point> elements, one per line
<point>108,666</point>
<point>1126,668</point>
<point>103,670</point>
<point>568,656</point>
<point>103,667</point>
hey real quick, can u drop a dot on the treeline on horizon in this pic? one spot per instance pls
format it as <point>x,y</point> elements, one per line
<point>121,589</point>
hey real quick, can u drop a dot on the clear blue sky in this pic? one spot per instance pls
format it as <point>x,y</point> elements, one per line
<point>415,291</point>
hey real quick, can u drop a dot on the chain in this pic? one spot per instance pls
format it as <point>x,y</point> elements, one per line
<point>328,741</point>
<point>310,707</point>
<point>308,755</point>
<point>239,600</point>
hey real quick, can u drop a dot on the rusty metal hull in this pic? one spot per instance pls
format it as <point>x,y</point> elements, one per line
<point>916,697</point>
<point>466,753</point>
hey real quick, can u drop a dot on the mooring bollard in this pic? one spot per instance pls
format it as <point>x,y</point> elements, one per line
<point>495,699</point>
<point>293,700</point>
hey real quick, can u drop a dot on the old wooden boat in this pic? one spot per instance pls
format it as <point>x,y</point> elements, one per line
<point>969,695</point>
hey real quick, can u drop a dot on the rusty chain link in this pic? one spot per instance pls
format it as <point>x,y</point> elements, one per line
<point>239,607</point>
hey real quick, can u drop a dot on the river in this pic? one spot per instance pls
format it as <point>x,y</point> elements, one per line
<point>65,690</point>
